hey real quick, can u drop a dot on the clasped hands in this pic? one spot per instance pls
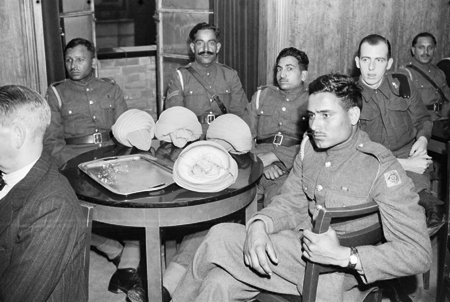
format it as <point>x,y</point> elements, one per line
<point>323,248</point>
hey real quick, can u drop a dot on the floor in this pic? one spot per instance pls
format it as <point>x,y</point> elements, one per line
<point>101,271</point>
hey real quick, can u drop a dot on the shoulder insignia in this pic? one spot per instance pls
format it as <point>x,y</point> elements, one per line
<point>226,66</point>
<point>267,86</point>
<point>58,83</point>
<point>392,178</point>
<point>379,151</point>
<point>184,67</point>
<point>399,85</point>
<point>108,80</point>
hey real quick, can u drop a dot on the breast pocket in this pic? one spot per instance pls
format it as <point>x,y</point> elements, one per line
<point>71,115</point>
<point>107,108</point>
<point>401,119</point>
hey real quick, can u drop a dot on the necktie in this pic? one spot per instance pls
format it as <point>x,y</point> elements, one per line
<point>2,182</point>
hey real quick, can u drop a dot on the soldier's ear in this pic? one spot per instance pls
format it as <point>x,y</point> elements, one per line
<point>192,47</point>
<point>390,61</point>
<point>94,63</point>
<point>354,114</point>
<point>304,75</point>
<point>357,61</point>
<point>218,47</point>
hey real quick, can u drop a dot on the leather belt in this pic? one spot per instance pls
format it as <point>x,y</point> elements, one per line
<point>279,140</point>
<point>96,138</point>
<point>206,118</point>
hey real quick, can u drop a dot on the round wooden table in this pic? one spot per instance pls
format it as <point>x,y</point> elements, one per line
<point>168,207</point>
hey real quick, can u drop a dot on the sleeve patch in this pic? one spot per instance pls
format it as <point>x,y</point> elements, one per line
<point>174,93</point>
<point>392,178</point>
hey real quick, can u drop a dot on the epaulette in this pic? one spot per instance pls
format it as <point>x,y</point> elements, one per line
<point>399,84</point>
<point>379,151</point>
<point>267,86</point>
<point>184,67</point>
<point>58,83</point>
<point>258,93</point>
<point>226,66</point>
<point>108,80</point>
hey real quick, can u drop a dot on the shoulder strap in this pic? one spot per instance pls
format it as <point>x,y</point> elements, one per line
<point>404,89</point>
<point>258,93</point>
<point>211,92</point>
<point>181,79</point>
<point>58,97</point>
<point>429,80</point>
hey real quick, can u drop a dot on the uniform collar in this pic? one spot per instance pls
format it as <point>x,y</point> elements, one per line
<point>202,69</point>
<point>383,88</point>
<point>349,144</point>
<point>293,92</point>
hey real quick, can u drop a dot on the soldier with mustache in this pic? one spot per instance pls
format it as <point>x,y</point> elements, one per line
<point>278,120</point>
<point>426,77</point>
<point>205,86</point>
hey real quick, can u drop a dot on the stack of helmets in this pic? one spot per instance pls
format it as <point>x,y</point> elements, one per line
<point>231,132</point>
<point>134,128</point>
<point>178,125</point>
<point>205,166</point>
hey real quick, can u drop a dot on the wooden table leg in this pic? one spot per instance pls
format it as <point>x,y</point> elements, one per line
<point>154,268</point>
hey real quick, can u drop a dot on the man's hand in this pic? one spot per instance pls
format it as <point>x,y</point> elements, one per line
<point>268,158</point>
<point>325,248</point>
<point>419,147</point>
<point>273,172</point>
<point>417,164</point>
<point>258,249</point>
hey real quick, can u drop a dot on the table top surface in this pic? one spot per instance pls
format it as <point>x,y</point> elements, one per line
<point>87,189</point>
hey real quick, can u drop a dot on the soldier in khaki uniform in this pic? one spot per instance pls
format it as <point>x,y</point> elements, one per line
<point>84,108</point>
<point>337,166</point>
<point>278,120</point>
<point>427,78</point>
<point>186,90</point>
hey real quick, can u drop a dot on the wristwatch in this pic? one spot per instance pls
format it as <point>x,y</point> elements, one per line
<point>353,258</point>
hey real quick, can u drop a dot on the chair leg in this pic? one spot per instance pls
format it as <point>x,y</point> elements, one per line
<point>426,280</point>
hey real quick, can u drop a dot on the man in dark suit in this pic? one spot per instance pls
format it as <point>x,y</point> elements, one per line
<point>42,233</point>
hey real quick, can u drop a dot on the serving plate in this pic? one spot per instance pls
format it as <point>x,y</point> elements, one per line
<point>128,174</point>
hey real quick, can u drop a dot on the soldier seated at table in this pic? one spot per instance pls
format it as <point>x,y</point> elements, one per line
<point>83,110</point>
<point>205,86</point>
<point>278,120</point>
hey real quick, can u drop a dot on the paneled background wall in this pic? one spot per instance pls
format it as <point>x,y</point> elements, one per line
<point>329,31</point>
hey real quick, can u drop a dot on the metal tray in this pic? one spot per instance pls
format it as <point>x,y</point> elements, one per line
<point>128,174</point>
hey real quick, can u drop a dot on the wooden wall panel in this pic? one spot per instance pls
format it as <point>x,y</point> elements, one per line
<point>329,31</point>
<point>22,45</point>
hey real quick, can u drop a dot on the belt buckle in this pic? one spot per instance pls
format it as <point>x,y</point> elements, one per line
<point>277,139</point>
<point>210,118</point>
<point>437,106</point>
<point>97,138</point>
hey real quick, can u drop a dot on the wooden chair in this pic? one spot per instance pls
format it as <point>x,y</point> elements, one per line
<point>87,211</point>
<point>368,236</point>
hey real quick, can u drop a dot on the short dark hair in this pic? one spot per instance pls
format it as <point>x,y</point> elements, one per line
<point>342,86</point>
<point>301,57</point>
<point>203,26</point>
<point>80,41</point>
<point>20,104</point>
<point>375,39</point>
<point>423,35</point>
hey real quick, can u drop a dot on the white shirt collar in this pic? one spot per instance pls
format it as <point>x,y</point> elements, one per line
<point>15,177</point>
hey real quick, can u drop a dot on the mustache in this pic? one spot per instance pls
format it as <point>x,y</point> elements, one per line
<point>206,52</point>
